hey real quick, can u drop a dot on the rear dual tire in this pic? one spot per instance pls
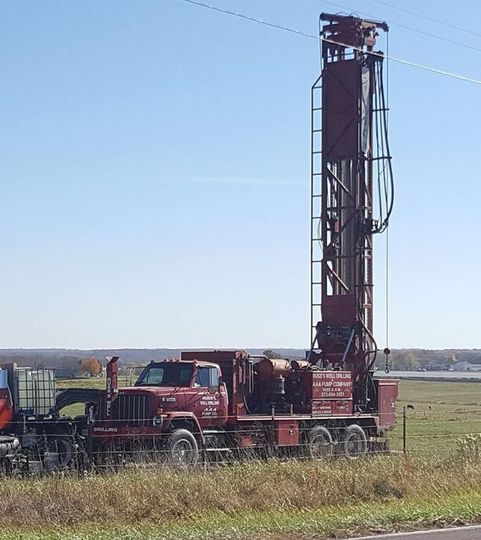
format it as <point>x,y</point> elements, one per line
<point>320,443</point>
<point>354,442</point>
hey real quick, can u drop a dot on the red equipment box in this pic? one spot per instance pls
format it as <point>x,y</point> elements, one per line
<point>328,392</point>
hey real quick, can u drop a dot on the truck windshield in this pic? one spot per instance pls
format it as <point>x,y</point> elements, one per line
<point>166,374</point>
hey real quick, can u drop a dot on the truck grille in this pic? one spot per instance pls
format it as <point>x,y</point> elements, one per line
<point>131,409</point>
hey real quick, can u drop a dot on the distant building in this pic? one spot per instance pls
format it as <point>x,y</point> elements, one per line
<point>436,366</point>
<point>466,366</point>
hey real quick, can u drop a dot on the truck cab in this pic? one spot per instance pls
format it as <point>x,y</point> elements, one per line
<point>185,386</point>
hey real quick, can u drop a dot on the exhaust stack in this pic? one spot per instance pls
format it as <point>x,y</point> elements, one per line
<point>112,383</point>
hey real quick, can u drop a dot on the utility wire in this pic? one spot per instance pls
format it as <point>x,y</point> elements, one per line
<point>416,30</point>
<point>432,19</point>
<point>249,18</point>
<point>312,36</point>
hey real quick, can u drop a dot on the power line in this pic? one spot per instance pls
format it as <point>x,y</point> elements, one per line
<point>249,18</point>
<point>416,30</point>
<point>312,36</point>
<point>432,19</point>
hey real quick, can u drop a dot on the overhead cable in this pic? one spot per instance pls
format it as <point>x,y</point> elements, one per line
<point>312,36</point>
<point>249,18</point>
<point>427,18</point>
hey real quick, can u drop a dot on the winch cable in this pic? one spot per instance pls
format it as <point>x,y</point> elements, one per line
<point>386,254</point>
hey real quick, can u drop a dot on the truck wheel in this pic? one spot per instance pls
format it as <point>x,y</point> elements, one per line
<point>319,443</point>
<point>355,441</point>
<point>60,454</point>
<point>182,448</point>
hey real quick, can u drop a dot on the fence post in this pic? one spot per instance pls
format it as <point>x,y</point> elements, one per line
<point>405,431</point>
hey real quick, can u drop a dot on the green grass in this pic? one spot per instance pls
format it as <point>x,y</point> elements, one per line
<point>330,522</point>
<point>443,412</point>
<point>94,382</point>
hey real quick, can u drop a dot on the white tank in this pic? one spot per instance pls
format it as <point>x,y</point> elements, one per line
<point>36,391</point>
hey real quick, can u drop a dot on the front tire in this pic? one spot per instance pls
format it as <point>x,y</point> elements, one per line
<point>182,449</point>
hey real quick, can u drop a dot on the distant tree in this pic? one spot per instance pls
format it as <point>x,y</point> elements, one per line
<point>91,365</point>
<point>405,361</point>
<point>452,360</point>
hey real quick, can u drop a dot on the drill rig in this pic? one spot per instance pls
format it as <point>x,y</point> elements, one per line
<point>221,403</point>
<point>351,197</point>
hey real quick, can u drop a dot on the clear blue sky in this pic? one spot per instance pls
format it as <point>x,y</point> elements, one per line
<point>154,175</point>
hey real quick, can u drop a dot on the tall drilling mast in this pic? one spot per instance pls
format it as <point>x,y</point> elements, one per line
<point>351,196</point>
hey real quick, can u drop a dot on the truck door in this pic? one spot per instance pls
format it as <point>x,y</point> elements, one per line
<point>210,404</point>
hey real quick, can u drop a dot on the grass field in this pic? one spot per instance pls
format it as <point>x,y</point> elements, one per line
<point>245,501</point>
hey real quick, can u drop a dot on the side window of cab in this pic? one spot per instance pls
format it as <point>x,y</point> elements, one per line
<point>206,377</point>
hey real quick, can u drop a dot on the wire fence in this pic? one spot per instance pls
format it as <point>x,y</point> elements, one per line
<point>114,445</point>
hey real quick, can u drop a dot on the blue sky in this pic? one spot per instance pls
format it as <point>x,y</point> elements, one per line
<point>154,165</point>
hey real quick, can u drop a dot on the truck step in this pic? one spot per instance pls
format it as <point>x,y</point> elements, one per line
<point>218,450</point>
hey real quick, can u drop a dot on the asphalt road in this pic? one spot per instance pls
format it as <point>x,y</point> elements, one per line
<point>458,533</point>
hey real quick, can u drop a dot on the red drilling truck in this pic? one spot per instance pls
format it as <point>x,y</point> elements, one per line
<point>229,402</point>
<point>214,401</point>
